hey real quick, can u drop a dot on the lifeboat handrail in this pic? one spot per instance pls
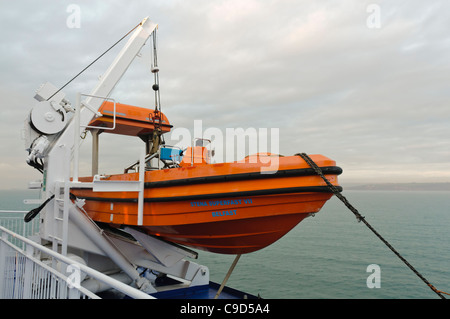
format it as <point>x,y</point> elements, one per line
<point>147,158</point>
<point>99,114</point>
<point>194,142</point>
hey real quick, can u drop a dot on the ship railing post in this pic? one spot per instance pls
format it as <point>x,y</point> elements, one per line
<point>3,250</point>
<point>141,188</point>
<point>28,276</point>
<point>76,146</point>
<point>66,202</point>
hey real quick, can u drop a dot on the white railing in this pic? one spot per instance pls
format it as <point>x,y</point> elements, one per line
<point>13,220</point>
<point>24,274</point>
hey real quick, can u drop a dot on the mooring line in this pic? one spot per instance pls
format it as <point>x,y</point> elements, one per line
<point>360,218</point>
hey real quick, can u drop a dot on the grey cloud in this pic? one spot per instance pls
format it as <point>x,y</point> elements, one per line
<point>372,99</point>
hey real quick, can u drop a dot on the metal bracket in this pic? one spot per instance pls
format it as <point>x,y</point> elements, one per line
<point>97,113</point>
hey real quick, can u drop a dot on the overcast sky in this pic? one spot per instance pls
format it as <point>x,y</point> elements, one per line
<point>365,83</point>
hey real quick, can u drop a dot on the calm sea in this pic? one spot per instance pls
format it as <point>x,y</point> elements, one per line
<point>326,256</point>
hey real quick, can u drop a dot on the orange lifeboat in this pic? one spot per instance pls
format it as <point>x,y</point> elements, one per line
<point>227,208</point>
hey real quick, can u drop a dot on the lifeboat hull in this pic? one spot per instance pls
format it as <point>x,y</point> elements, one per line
<point>228,208</point>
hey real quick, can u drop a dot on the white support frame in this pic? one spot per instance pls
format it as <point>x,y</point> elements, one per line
<point>78,126</point>
<point>99,185</point>
<point>24,290</point>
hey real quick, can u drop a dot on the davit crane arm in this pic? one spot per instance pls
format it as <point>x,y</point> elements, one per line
<point>48,126</point>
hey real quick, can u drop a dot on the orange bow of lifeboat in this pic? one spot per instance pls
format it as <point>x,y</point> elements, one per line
<point>228,208</point>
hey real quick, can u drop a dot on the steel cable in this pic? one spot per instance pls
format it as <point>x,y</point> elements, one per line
<point>94,61</point>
